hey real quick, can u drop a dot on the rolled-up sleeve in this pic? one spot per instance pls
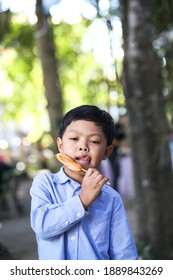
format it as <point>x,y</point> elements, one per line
<point>48,217</point>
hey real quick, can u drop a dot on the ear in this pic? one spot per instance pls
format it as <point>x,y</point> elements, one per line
<point>108,152</point>
<point>59,144</point>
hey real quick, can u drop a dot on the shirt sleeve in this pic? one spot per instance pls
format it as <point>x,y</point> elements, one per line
<point>50,219</point>
<point>122,245</point>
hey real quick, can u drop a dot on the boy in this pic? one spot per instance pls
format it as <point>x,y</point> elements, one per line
<point>77,215</point>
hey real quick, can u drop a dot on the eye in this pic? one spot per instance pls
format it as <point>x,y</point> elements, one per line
<point>73,138</point>
<point>94,141</point>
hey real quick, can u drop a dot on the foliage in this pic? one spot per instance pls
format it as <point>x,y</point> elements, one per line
<point>20,69</point>
<point>89,85</point>
<point>144,251</point>
<point>22,77</point>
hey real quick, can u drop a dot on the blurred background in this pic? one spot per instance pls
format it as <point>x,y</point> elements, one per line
<point>118,55</point>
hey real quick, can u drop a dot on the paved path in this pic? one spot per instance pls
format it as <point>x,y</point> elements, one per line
<point>16,233</point>
<point>18,237</point>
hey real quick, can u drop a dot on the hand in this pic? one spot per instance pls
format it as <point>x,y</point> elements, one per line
<point>92,183</point>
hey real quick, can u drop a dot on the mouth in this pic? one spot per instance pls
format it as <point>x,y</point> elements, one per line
<point>83,160</point>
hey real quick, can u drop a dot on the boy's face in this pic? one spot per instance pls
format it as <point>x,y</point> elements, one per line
<point>85,142</point>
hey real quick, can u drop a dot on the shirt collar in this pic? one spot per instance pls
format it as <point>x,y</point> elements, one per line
<point>63,178</point>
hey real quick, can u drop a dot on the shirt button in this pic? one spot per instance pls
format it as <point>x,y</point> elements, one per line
<point>73,238</point>
<point>78,214</point>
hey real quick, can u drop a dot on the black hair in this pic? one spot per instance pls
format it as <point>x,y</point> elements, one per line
<point>90,113</point>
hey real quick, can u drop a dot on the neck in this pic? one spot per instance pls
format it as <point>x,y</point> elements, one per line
<point>75,175</point>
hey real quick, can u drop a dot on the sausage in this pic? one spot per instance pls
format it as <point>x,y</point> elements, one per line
<point>70,163</point>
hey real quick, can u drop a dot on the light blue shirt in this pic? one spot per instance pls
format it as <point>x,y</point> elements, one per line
<point>66,231</point>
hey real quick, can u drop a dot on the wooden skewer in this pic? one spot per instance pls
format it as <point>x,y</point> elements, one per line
<point>83,170</point>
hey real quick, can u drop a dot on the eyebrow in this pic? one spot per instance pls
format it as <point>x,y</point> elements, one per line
<point>91,134</point>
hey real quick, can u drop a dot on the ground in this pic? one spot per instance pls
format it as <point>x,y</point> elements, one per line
<point>15,231</point>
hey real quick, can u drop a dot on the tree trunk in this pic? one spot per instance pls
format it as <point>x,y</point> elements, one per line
<point>46,49</point>
<point>149,130</point>
<point>4,23</point>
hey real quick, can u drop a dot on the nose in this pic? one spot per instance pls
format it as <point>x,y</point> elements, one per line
<point>83,147</point>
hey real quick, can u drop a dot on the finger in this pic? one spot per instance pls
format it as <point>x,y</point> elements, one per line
<point>103,180</point>
<point>90,171</point>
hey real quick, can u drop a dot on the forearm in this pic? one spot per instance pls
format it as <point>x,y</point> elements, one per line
<point>49,220</point>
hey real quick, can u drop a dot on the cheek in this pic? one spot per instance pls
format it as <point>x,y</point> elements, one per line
<point>99,155</point>
<point>67,145</point>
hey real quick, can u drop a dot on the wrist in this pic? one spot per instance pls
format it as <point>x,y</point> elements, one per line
<point>84,203</point>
